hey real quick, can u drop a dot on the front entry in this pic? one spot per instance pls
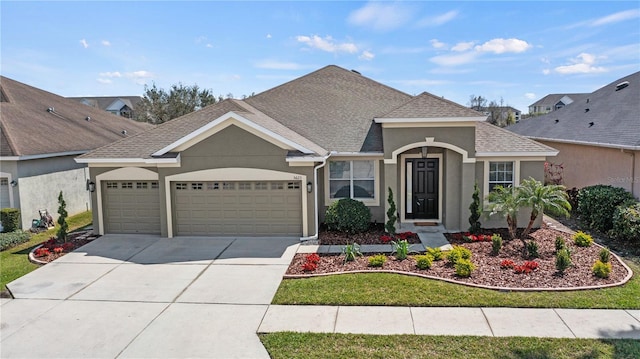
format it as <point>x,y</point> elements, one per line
<point>422,188</point>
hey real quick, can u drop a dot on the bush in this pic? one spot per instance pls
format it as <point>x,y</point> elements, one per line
<point>12,239</point>
<point>475,211</point>
<point>563,260</point>
<point>435,253</point>
<point>390,226</point>
<point>10,218</point>
<point>626,223</point>
<point>604,255</point>
<point>377,260</point>
<point>348,215</point>
<point>601,269</point>
<point>401,249</point>
<point>532,249</point>
<point>423,261</point>
<point>560,243</point>
<point>496,244</point>
<point>350,252</point>
<point>597,203</point>
<point>464,267</point>
<point>457,254</point>
<point>582,239</point>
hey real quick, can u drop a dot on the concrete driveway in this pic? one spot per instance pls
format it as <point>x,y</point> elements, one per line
<point>136,296</point>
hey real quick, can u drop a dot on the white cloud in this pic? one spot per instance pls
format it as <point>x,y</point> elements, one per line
<point>617,17</point>
<point>104,81</point>
<point>463,46</point>
<point>84,43</point>
<point>327,44</point>
<point>499,46</point>
<point>439,19</point>
<point>110,74</point>
<point>545,60</point>
<point>366,55</point>
<point>582,64</point>
<point>530,95</point>
<point>278,65</point>
<point>455,59</point>
<point>209,46</point>
<point>139,77</point>
<point>268,36</point>
<point>546,71</point>
<point>381,16</point>
<point>437,44</point>
<point>106,43</point>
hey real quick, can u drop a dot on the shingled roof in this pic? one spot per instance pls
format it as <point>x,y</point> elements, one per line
<point>609,116</point>
<point>492,140</point>
<point>37,122</point>
<point>427,105</point>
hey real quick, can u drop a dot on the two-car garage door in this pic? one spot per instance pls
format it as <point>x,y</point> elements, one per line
<point>243,208</point>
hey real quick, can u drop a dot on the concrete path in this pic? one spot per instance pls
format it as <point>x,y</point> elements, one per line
<point>498,322</point>
<point>145,296</point>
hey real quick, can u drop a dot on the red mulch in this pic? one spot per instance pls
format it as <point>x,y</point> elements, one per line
<point>489,272</point>
<point>74,240</point>
<point>372,236</point>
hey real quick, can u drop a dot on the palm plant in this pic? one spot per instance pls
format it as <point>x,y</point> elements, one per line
<point>540,198</point>
<point>504,200</point>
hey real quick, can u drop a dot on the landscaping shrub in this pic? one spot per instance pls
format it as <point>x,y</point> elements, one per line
<point>601,269</point>
<point>496,244</point>
<point>563,260</point>
<point>464,267</point>
<point>10,218</point>
<point>377,260</point>
<point>390,226</point>
<point>350,252</point>
<point>532,249</point>
<point>348,215</point>
<point>626,223</point>
<point>12,239</point>
<point>560,243</point>
<point>596,204</point>
<point>582,239</point>
<point>423,261</point>
<point>475,211</point>
<point>604,255</point>
<point>401,249</point>
<point>458,253</point>
<point>62,219</point>
<point>435,253</point>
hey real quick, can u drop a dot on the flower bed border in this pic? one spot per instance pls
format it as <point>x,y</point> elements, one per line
<point>33,259</point>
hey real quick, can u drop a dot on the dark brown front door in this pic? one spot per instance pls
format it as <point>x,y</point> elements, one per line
<point>422,188</point>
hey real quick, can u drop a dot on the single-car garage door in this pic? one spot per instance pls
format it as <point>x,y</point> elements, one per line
<point>246,208</point>
<point>4,192</point>
<point>131,207</point>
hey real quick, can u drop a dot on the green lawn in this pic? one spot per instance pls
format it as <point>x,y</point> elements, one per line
<point>14,262</point>
<point>401,290</point>
<point>308,345</point>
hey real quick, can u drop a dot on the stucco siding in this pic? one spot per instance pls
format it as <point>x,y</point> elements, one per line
<point>42,166</point>
<point>590,165</point>
<point>394,138</point>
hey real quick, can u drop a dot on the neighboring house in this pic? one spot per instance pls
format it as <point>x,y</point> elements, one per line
<point>501,114</point>
<point>40,134</point>
<point>554,102</point>
<point>272,163</point>
<point>598,137</point>
<point>122,106</point>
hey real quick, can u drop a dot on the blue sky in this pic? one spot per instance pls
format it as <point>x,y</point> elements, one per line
<point>515,50</point>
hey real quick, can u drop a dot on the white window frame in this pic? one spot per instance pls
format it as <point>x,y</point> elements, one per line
<point>513,175</point>
<point>369,202</point>
<point>516,174</point>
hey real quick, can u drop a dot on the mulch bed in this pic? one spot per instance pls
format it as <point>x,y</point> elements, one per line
<point>372,236</point>
<point>489,272</point>
<point>56,249</point>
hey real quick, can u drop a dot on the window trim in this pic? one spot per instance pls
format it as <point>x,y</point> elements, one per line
<point>369,202</point>
<point>485,181</point>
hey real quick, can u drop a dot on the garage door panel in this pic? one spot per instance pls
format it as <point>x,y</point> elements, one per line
<point>131,207</point>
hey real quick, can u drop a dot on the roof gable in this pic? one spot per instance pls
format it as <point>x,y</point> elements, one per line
<point>430,107</point>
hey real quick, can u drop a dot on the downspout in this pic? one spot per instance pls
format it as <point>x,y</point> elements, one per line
<point>315,190</point>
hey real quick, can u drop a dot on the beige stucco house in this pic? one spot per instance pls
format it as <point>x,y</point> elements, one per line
<point>269,165</point>
<point>598,137</point>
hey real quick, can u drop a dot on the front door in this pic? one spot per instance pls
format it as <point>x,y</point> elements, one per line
<point>422,188</point>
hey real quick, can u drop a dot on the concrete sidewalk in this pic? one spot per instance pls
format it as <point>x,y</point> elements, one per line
<point>496,322</point>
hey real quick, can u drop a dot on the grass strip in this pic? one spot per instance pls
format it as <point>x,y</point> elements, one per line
<point>14,262</point>
<point>310,345</point>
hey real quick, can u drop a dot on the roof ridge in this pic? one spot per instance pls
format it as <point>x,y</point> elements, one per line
<point>504,130</point>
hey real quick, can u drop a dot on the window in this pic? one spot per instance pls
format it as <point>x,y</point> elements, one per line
<point>141,185</point>
<point>127,185</point>
<point>261,186</point>
<point>212,186</point>
<point>228,186</point>
<point>244,186</point>
<point>277,185</point>
<point>154,185</point>
<point>196,186</point>
<point>500,174</point>
<point>293,185</point>
<point>112,184</point>
<point>181,186</point>
<point>352,179</point>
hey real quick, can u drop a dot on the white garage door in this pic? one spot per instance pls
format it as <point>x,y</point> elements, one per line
<point>131,207</point>
<point>4,193</point>
<point>249,208</point>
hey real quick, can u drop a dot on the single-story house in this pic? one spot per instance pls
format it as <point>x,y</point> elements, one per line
<point>554,101</point>
<point>118,105</point>
<point>598,137</point>
<point>271,164</point>
<point>40,134</point>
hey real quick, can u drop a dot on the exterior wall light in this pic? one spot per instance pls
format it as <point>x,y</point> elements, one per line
<point>13,183</point>
<point>91,186</point>
<point>309,187</point>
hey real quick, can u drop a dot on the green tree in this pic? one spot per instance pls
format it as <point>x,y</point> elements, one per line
<point>504,200</point>
<point>159,106</point>
<point>476,212</point>
<point>542,198</point>
<point>390,226</point>
<point>62,218</point>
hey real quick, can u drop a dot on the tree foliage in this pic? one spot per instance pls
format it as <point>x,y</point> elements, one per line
<point>390,226</point>
<point>159,105</point>
<point>475,211</point>
<point>62,219</point>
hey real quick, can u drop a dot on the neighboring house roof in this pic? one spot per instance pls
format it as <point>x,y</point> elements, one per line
<point>37,122</point>
<point>605,117</point>
<point>331,109</point>
<point>552,99</point>
<point>105,102</point>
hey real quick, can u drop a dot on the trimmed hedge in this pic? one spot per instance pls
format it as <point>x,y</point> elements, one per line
<point>348,215</point>
<point>626,224</point>
<point>12,239</point>
<point>596,204</point>
<point>10,218</point>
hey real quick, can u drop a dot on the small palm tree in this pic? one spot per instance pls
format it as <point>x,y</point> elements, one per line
<point>504,200</point>
<point>539,197</point>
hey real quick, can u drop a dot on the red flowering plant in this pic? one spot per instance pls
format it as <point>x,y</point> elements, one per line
<point>67,246</point>
<point>313,258</point>
<point>385,238</point>
<point>58,250</point>
<point>533,265</point>
<point>507,263</point>
<point>41,252</point>
<point>404,235</point>
<point>311,262</point>
<point>526,268</point>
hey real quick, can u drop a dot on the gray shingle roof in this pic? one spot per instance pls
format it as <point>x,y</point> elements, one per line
<point>427,105</point>
<point>609,118</point>
<point>102,102</point>
<point>552,99</point>
<point>29,129</point>
<point>492,139</point>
